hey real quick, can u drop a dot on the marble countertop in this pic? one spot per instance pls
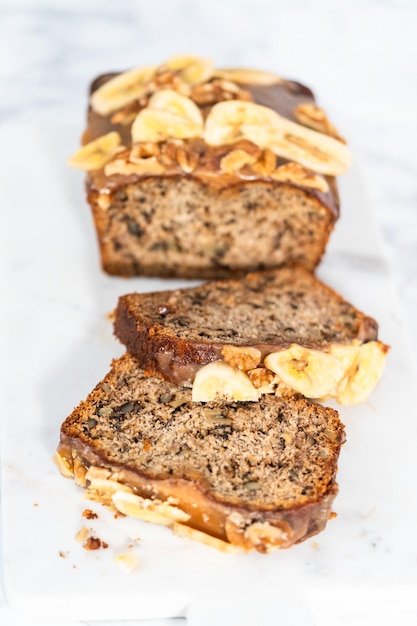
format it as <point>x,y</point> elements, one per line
<point>360,57</point>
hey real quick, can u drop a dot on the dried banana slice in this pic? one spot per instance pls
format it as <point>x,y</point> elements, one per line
<point>170,100</point>
<point>97,153</point>
<point>363,373</point>
<point>155,125</point>
<point>220,380</point>
<point>234,120</point>
<point>122,89</point>
<point>149,510</point>
<point>193,69</point>
<point>248,76</point>
<point>312,373</point>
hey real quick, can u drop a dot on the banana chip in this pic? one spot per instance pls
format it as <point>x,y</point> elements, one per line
<point>97,153</point>
<point>312,373</point>
<point>193,69</point>
<point>363,374</point>
<point>154,125</point>
<point>122,89</point>
<point>220,380</point>
<point>234,120</point>
<point>248,76</point>
<point>173,102</point>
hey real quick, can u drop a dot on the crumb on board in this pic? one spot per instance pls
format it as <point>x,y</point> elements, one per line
<point>94,543</point>
<point>82,534</point>
<point>63,554</point>
<point>127,562</point>
<point>89,514</point>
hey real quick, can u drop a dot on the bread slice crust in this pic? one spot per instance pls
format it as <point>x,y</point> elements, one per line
<point>173,333</point>
<point>228,466</point>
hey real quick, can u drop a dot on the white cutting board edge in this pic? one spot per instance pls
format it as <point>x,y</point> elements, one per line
<point>364,561</point>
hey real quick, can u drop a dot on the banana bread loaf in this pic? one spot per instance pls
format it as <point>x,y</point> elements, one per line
<point>257,476</point>
<point>284,328</point>
<point>198,172</point>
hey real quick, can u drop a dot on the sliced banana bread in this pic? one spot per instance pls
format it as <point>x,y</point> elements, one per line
<point>257,476</point>
<point>284,328</point>
<point>199,172</point>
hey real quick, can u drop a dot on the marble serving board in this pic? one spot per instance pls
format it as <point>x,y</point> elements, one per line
<point>60,344</point>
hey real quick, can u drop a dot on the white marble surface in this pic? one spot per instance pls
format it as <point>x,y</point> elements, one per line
<point>360,57</point>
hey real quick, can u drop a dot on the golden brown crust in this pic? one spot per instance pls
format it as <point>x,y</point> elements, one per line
<point>184,208</point>
<point>151,441</point>
<point>173,333</point>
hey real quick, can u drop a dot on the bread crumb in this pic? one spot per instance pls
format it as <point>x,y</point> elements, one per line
<point>94,543</point>
<point>63,554</point>
<point>89,514</point>
<point>35,504</point>
<point>82,534</point>
<point>127,562</point>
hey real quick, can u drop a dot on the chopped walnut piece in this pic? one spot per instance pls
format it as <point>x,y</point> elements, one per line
<point>209,93</point>
<point>144,150</point>
<point>263,379</point>
<point>235,160</point>
<point>266,164</point>
<point>299,175</point>
<point>314,117</point>
<point>169,151</point>
<point>142,167</point>
<point>187,160</point>
<point>243,357</point>
<point>89,514</point>
<point>94,543</point>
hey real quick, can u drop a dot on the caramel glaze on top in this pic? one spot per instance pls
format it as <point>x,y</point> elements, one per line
<point>282,98</point>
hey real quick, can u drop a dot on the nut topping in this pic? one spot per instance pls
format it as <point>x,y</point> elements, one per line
<point>142,167</point>
<point>244,358</point>
<point>309,114</point>
<point>235,160</point>
<point>299,175</point>
<point>231,121</point>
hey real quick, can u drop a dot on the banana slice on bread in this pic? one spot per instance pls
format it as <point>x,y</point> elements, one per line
<point>234,120</point>
<point>168,115</point>
<point>348,373</point>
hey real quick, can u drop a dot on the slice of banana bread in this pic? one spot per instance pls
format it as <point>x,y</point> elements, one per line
<point>208,173</point>
<point>325,346</point>
<point>254,475</point>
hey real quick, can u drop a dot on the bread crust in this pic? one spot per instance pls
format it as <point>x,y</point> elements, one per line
<point>138,230</point>
<point>99,433</point>
<point>161,331</point>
